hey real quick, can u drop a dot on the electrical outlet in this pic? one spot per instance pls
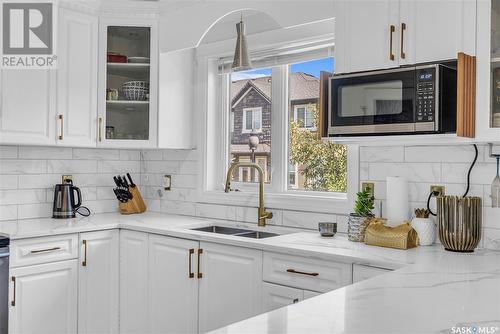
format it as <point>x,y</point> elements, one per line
<point>167,182</point>
<point>370,186</point>
<point>67,179</point>
<point>438,189</point>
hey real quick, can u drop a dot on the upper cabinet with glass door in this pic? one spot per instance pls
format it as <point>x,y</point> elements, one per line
<point>128,107</point>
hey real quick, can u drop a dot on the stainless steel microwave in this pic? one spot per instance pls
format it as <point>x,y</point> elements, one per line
<point>410,100</point>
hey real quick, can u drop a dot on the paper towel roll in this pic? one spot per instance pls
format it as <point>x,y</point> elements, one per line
<point>398,205</point>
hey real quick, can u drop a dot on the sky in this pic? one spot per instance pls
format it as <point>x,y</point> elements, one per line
<point>312,67</point>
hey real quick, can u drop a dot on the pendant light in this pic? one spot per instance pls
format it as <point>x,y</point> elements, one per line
<point>241,58</point>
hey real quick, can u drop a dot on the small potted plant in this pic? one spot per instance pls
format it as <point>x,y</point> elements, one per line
<point>424,226</point>
<point>360,218</point>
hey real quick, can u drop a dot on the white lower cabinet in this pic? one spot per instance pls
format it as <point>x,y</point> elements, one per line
<point>98,282</point>
<point>230,285</point>
<point>173,285</point>
<point>362,272</point>
<point>133,282</point>
<point>275,296</point>
<point>43,298</point>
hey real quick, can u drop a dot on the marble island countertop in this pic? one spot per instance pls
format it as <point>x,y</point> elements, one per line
<point>431,290</point>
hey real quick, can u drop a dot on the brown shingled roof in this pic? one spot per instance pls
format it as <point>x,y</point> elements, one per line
<point>302,86</point>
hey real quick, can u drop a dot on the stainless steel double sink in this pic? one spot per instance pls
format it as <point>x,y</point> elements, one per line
<point>236,232</point>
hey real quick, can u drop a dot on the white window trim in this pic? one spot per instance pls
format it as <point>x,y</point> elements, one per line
<point>244,127</point>
<point>212,143</point>
<point>295,115</point>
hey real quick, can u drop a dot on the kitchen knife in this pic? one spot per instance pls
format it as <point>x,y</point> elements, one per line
<point>125,182</point>
<point>117,182</point>
<point>132,184</point>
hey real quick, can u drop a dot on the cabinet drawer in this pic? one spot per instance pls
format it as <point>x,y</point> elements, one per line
<point>306,273</point>
<point>361,272</point>
<point>25,252</point>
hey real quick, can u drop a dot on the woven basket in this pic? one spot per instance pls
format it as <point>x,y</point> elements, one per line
<point>400,237</point>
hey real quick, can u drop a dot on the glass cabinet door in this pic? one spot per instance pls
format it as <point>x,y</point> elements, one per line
<point>495,63</point>
<point>127,83</point>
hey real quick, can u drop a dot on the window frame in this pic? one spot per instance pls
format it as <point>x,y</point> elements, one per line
<point>214,153</point>
<point>244,125</point>
<point>306,109</point>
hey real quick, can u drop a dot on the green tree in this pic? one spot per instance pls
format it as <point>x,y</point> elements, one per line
<point>322,163</point>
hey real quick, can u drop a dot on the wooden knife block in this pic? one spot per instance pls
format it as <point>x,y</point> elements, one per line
<point>135,205</point>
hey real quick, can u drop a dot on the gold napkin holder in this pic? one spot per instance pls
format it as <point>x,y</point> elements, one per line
<point>401,237</point>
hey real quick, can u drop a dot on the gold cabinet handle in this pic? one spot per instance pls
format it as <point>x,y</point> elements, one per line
<point>403,29</point>
<point>392,29</point>
<point>84,262</point>
<point>36,251</point>
<point>200,274</point>
<point>13,302</point>
<point>99,130</point>
<point>191,252</point>
<point>61,122</point>
<point>293,271</point>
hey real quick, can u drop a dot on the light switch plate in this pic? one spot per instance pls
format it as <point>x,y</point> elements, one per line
<point>167,182</point>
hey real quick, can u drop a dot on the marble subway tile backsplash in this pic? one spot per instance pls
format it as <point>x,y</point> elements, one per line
<point>440,165</point>
<point>28,175</point>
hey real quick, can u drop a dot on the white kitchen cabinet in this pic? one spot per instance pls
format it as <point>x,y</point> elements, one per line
<point>363,35</point>
<point>128,120</point>
<point>275,296</point>
<point>362,272</point>
<point>438,30</point>
<point>133,282</point>
<point>177,96</point>
<point>98,284</point>
<point>305,272</point>
<point>43,298</point>
<point>27,106</point>
<point>173,285</point>
<point>230,285</point>
<point>77,78</point>
<point>372,35</point>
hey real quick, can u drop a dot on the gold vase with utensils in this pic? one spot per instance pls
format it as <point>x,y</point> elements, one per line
<point>459,222</point>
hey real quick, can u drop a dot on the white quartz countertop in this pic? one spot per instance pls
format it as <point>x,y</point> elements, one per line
<point>431,290</point>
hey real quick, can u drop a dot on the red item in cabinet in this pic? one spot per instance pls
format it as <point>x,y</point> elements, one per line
<point>116,58</point>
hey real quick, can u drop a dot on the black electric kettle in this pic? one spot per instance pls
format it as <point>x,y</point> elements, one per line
<point>64,200</point>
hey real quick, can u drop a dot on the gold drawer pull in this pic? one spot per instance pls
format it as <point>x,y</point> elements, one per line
<point>84,262</point>
<point>293,271</point>
<point>392,29</point>
<point>403,29</point>
<point>200,274</point>
<point>13,302</point>
<point>61,121</point>
<point>36,251</point>
<point>191,252</point>
<point>99,129</point>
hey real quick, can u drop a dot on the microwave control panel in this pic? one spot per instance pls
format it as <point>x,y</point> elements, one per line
<point>426,94</point>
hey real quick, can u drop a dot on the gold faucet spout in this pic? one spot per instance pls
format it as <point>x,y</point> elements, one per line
<point>262,213</point>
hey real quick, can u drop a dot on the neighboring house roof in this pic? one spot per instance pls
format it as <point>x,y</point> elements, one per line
<point>302,87</point>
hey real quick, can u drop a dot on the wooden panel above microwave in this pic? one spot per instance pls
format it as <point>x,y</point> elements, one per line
<point>466,96</point>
